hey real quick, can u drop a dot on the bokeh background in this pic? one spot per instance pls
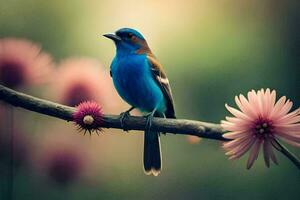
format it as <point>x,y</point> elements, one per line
<point>211,51</point>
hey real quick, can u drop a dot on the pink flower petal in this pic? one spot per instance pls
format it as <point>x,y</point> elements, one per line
<point>267,103</point>
<point>244,105</point>
<point>254,153</point>
<point>251,109</point>
<point>236,134</point>
<point>260,103</point>
<point>272,154</point>
<point>232,126</point>
<point>288,128</point>
<point>278,106</point>
<point>254,102</point>
<point>288,121</point>
<point>273,98</point>
<point>286,108</point>
<point>290,118</point>
<point>237,120</point>
<point>244,149</point>
<point>263,97</point>
<point>237,113</point>
<point>266,149</point>
<point>238,149</point>
<point>233,143</point>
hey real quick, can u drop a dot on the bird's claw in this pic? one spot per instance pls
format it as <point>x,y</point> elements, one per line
<point>149,121</point>
<point>123,116</point>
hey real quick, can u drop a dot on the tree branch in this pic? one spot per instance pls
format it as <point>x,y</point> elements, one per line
<point>176,126</point>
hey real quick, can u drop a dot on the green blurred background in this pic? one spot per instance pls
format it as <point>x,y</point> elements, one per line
<point>211,51</point>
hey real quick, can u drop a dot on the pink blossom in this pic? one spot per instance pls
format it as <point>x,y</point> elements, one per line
<point>22,63</point>
<point>88,116</point>
<point>84,79</point>
<point>260,121</point>
<point>61,158</point>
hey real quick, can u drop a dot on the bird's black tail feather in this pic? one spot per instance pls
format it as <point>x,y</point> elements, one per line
<point>152,153</point>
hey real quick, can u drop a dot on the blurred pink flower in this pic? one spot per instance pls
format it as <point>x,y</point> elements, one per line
<point>22,63</point>
<point>61,159</point>
<point>64,166</point>
<point>259,123</point>
<point>84,79</point>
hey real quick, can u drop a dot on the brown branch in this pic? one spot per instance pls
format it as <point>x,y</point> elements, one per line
<point>175,126</point>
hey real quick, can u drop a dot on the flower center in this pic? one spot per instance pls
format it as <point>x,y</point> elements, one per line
<point>88,120</point>
<point>263,128</point>
<point>12,74</point>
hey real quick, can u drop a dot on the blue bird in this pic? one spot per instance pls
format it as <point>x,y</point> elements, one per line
<point>140,81</point>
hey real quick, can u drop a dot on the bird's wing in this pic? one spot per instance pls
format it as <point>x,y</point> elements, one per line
<point>162,80</point>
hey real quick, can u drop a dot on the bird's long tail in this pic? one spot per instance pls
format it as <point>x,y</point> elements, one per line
<point>152,153</point>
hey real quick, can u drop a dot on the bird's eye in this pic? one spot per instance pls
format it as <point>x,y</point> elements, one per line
<point>129,35</point>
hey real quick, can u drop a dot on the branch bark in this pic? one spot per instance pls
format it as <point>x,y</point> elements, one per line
<point>175,126</point>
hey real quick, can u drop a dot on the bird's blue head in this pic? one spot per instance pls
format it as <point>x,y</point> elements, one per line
<point>128,41</point>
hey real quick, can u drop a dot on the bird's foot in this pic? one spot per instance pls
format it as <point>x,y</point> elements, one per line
<point>123,117</point>
<point>149,119</point>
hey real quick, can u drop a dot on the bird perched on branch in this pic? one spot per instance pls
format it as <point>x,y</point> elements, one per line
<point>140,80</point>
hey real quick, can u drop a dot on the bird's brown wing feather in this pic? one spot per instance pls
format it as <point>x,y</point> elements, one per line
<point>162,80</point>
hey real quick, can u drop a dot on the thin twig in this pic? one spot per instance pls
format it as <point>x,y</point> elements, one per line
<point>292,157</point>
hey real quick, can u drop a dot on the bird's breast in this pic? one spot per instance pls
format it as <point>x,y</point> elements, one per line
<point>135,84</point>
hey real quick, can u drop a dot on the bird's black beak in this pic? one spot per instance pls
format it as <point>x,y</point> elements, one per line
<point>112,37</point>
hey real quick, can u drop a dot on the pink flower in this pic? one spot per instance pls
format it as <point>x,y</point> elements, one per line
<point>84,79</point>
<point>64,166</point>
<point>61,158</point>
<point>259,122</point>
<point>88,116</point>
<point>22,63</point>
